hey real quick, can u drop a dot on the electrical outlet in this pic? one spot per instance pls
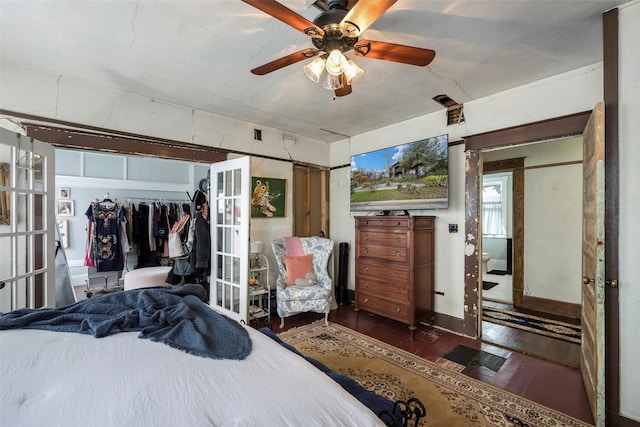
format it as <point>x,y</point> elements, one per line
<point>453,228</point>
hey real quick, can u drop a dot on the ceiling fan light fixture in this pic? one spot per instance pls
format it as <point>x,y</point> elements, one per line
<point>335,62</point>
<point>314,69</point>
<point>332,82</point>
<point>352,72</point>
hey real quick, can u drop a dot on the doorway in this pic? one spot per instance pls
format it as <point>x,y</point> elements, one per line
<point>547,212</point>
<point>497,237</point>
<point>546,206</point>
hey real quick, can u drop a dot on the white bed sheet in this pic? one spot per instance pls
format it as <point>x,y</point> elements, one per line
<point>67,379</point>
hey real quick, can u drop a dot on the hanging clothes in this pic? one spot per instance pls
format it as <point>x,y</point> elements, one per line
<point>146,256</point>
<point>201,249</point>
<point>149,229</point>
<point>105,242</point>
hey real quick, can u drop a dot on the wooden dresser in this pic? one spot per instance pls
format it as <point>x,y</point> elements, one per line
<point>394,266</point>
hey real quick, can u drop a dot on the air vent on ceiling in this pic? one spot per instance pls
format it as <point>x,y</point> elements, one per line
<point>455,114</point>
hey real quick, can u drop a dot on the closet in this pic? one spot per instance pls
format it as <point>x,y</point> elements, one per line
<point>162,188</point>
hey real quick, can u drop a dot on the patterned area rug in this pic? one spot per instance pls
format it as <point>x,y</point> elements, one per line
<point>535,324</point>
<point>451,399</point>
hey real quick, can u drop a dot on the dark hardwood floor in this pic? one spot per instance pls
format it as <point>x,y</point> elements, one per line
<point>548,348</point>
<point>552,383</point>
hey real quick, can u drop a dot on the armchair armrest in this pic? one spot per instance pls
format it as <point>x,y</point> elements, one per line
<point>324,282</point>
<point>281,283</point>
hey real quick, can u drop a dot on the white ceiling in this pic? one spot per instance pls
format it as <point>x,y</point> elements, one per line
<point>199,54</point>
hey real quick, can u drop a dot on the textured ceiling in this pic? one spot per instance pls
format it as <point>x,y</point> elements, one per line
<point>199,54</point>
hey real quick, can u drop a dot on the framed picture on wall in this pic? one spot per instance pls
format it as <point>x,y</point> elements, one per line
<point>64,193</point>
<point>64,207</point>
<point>268,197</point>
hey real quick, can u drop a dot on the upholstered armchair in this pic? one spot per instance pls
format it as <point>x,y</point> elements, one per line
<point>295,299</point>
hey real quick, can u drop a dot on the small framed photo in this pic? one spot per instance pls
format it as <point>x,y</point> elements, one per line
<point>64,207</point>
<point>65,193</point>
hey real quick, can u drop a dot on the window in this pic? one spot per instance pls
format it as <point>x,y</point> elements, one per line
<point>495,205</point>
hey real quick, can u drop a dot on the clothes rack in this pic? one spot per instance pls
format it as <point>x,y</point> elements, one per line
<point>156,199</point>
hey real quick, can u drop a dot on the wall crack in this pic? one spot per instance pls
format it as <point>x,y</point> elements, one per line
<point>133,28</point>
<point>57,94</point>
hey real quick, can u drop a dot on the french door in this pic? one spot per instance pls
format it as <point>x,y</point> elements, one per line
<point>230,185</point>
<point>27,223</point>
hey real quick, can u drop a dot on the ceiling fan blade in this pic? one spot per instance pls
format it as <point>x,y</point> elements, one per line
<point>365,13</point>
<point>285,60</point>
<point>394,52</point>
<point>345,89</point>
<point>286,15</point>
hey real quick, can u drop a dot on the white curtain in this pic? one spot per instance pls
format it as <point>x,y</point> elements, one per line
<point>492,221</point>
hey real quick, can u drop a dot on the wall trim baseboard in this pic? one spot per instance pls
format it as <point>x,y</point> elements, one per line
<point>449,323</point>
<point>545,305</point>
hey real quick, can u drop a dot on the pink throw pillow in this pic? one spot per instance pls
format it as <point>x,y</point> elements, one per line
<point>298,267</point>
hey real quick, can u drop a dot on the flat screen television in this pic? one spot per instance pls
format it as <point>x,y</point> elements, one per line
<point>403,177</point>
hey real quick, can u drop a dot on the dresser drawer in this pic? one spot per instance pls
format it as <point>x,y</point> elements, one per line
<point>385,289</point>
<point>381,271</point>
<point>393,240</point>
<point>383,307</point>
<point>383,252</point>
<point>382,222</point>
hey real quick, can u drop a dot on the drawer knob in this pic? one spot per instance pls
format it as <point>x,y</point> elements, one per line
<point>366,250</point>
<point>366,269</point>
<point>397,309</point>
<point>366,237</point>
<point>366,300</point>
<point>398,254</point>
<point>398,239</point>
<point>366,285</point>
<point>398,223</point>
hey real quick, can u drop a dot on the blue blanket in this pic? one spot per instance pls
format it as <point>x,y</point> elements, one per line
<point>177,317</point>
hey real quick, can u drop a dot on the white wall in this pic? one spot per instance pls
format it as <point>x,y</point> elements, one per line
<point>266,230</point>
<point>68,98</point>
<point>629,110</point>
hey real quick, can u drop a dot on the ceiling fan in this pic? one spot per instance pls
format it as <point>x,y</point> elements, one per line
<point>333,32</point>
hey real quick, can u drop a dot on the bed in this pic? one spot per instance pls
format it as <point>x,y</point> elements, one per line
<point>75,379</point>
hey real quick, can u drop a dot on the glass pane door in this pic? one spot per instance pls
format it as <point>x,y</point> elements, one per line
<point>27,239</point>
<point>229,200</point>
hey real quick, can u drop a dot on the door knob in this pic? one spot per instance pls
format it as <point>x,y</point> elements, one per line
<point>613,283</point>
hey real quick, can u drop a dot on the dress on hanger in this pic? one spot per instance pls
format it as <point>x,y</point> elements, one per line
<point>106,218</point>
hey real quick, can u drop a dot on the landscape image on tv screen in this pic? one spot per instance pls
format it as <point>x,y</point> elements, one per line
<point>402,177</point>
